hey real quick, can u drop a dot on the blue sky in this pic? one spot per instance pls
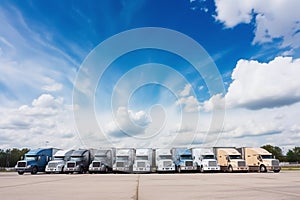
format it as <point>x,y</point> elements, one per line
<point>45,45</point>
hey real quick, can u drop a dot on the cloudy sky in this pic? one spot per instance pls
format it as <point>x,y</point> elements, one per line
<point>149,73</point>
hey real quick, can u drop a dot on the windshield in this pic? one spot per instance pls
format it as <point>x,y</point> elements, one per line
<point>142,158</point>
<point>100,157</point>
<point>165,157</point>
<point>208,157</point>
<point>186,157</point>
<point>124,158</point>
<point>77,158</point>
<point>59,158</point>
<point>266,156</point>
<point>29,158</point>
<point>235,157</point>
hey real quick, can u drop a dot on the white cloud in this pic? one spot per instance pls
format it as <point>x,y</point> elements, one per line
<point>186,91</point>
<point>48,118</point>
<point>274,19</point>
<point>264,85</point>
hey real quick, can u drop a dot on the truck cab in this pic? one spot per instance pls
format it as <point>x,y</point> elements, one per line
<point>230,160</point>
<point>164,162</point>
<point>183,160</point>
<point>143,161</point>
<point>79,161</point>
<point>35,161</point>
<point>205,160</point>
<point>103,160</point>
<point>59,160</point>
<point>260,160</point>
<point>124,160</point>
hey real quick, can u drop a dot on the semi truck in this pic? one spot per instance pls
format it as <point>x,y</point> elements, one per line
<point>35,160</point>
<point>143,161</point>
<point>124,160</point>
<point>205,160</point>
<point>230,160</point>
<point>259,160</point>
<point>79,161</point>
<point>163,160</point>
<point>183,160</point>
<point>59,160</point>
<point>103,160</point>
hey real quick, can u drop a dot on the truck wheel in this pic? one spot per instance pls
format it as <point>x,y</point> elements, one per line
<point>201,169</point>
<point>34,170</point>
<point>276,171</point>
<point>106,170</point>
<point>262,168</point>
<point>81,170</point>
<point>230,169</point>
<point>20,173</point>
<point>179,169</point>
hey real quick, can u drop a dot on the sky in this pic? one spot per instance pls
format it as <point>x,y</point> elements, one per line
<point>149,73</point>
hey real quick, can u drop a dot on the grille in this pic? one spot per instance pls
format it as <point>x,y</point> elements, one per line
<point>241,163</point>
<point>96,164</point>
<point>189,163</point>
<point>167,163</point>
<point>275,162</point>
<point>120,164</point>
<point>71,165</point>
<point>212,163</point>
<point>52,165</point>
<point>21,164</point>
<point>141,164</point>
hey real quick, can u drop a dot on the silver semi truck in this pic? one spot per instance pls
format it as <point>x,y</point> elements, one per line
<point>124,160</point>
<point>103,160</point>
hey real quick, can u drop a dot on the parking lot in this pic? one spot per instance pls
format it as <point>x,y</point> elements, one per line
<point>283,185</point>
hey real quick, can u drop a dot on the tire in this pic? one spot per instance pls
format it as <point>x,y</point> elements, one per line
<point>81,171</point>
<point>230,169</point>
<point>178,169</point>
<point>201,169</point>
<point>276,171</point>
<point>106,170</point>
<point>20,173</point>
<point>262,169</point>
<point>34,170</point>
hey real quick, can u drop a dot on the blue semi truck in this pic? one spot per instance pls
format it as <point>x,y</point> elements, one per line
<point>35,160</point>
<point>183,160</point>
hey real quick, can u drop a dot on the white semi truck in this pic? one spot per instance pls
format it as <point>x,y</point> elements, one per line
<point>59,160</point>
<point>143,161</point>
<point>230,160</point>
<point>124,160</point>
<point>205,160</point>
<point>103,160</point>
<point>163,160</point>
<point>259,159</point>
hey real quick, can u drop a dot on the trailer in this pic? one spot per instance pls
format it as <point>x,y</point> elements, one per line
<point>205,160</point>
<point>230,160</point>
<point>183,160</point>
<point>124,160</point>
<point>59,160</point>
<point>259,160</point>
<point>35,160</point>
<point>103,160</point>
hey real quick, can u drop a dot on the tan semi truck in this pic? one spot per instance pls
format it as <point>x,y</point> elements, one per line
<point>259,159</point>
<point>230,160</point>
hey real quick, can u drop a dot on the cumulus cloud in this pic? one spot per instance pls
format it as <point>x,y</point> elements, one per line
<point>274,19</point>
<point>188,101</point>
<point>47,118</point>
<point>128,122</point>
<point>264,85</point>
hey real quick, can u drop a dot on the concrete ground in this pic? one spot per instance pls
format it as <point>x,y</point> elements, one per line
<point>283,185</point>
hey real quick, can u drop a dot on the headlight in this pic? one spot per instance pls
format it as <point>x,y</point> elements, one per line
<point>28,166</point>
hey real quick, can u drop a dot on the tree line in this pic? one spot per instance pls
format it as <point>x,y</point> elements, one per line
<point>10,157</point>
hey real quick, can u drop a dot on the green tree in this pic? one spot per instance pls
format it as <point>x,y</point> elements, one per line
<point>293,155</point>
<point>276,151</point>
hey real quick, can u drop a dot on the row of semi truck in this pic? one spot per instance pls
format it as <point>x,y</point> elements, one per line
<point>147,160</point>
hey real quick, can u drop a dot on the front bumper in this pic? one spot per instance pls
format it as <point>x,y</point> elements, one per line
<point>188,168</point>
<point>273,168</point>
